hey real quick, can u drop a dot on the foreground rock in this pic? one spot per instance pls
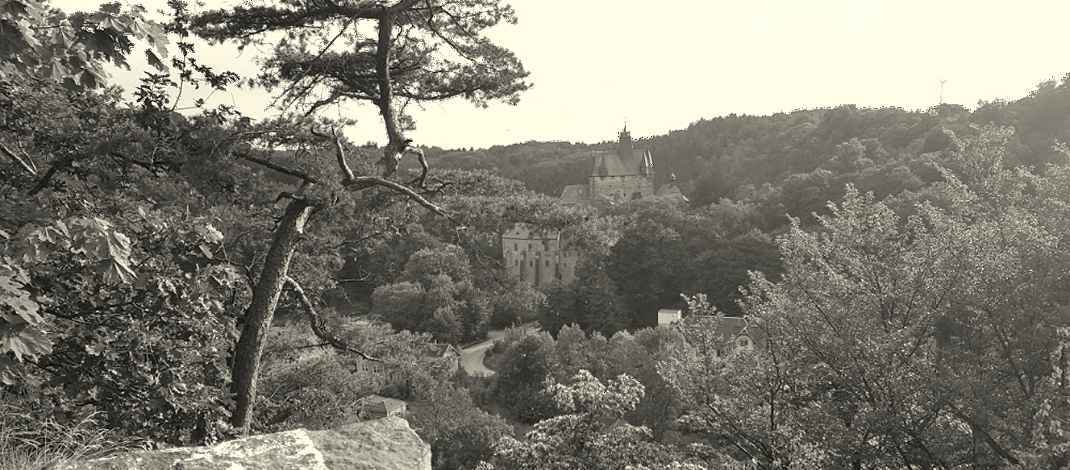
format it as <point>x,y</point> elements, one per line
<point>383,444</point>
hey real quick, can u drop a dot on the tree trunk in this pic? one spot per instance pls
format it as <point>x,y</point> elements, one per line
<point>262,309</point>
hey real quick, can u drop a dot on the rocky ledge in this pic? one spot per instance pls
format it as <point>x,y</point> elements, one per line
<point>383,444</point>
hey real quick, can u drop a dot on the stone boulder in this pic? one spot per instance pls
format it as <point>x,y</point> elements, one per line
<point>382,444</point>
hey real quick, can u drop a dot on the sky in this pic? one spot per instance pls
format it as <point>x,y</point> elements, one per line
<point>659,65</point>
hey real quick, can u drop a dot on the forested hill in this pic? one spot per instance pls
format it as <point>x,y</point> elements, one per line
<point>876,148</point>
<point>545,167</point>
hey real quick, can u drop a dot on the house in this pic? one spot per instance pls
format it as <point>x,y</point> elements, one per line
<point>668,316</point>
<point>728,333</point>
<point>446,355</point>
<point>375,407</point>
<point>734,332</point>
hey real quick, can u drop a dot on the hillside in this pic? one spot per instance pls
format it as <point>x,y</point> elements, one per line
<point>714,158</point>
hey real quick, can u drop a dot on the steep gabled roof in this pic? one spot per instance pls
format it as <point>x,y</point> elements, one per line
<point>574,193</point>
<point>610,164</point>
<point>671,191</point>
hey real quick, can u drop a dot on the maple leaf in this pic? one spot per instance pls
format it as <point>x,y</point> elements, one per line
<point>14,295</point>
<point>23,340</point>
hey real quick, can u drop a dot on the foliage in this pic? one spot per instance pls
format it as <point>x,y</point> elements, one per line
<point>155,337</point>
<point>435,295</point>
<point>32,443</point>
<point>590,434</point>
<point>41,43</point>
<point>526,367</point>
<point>517,305</point>
<point>896,341</point>
<point>478,70</point>
<point>308,384</point>
<point>593,303</point>
<point>461,435</point>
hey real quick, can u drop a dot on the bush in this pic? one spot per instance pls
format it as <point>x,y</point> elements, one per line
<point>29,443</point>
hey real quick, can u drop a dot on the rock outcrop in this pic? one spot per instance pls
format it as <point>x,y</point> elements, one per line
<point>383,444</point>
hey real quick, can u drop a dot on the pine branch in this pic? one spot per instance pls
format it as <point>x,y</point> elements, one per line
<point>319,325</point>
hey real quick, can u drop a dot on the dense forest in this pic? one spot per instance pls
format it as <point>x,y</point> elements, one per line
<point>174,277</point>
<point>881,150</point>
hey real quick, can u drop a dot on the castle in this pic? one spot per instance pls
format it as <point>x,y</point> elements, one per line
<point>620,175</point>
<point>539,256</point>
<point>536,256</point>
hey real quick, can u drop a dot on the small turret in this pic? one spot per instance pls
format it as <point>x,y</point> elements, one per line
<point>624,145</point>
<point>646,167</point>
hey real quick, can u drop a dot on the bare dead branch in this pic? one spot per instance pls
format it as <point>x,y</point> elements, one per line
<point>25,164</point>
<point>424,167</point>
<point>343,166</point>
<point>279,168</point>
<point>319,325</point>
<point>362,182</point>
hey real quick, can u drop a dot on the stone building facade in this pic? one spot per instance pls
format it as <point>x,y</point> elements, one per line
<point>537,256</point>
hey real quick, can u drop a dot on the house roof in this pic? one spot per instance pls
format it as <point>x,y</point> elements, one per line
<point>379,404</point>
<point>574,193</point>
<point>671,191</point>
<point>444,350</point>
<point>728,329</point>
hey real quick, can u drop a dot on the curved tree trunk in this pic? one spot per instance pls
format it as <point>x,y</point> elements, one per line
<point>262,309</point>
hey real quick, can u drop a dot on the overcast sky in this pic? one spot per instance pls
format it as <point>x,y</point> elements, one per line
<point>662,64</point>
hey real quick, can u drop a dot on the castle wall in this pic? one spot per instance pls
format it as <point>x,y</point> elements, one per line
<point>621,187</point>
<point>535,256</point>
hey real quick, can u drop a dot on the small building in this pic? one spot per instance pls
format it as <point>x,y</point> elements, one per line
<point>729,333</point>
<point>538,256</point>
<point>734,333</point>
<point>446,355</point>
<point>375,407</point>
<point>668,316</point>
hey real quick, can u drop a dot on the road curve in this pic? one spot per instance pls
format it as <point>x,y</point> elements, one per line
<point>472,359</point>
<point>472,356</point>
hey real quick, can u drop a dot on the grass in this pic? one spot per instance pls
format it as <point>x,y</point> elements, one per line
<point>29,443</point>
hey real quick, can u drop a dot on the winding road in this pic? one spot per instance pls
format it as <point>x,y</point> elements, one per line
<point>472,359</point>
<point>472,356</point>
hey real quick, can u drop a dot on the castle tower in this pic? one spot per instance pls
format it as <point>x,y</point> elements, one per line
<point>624,146</point>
